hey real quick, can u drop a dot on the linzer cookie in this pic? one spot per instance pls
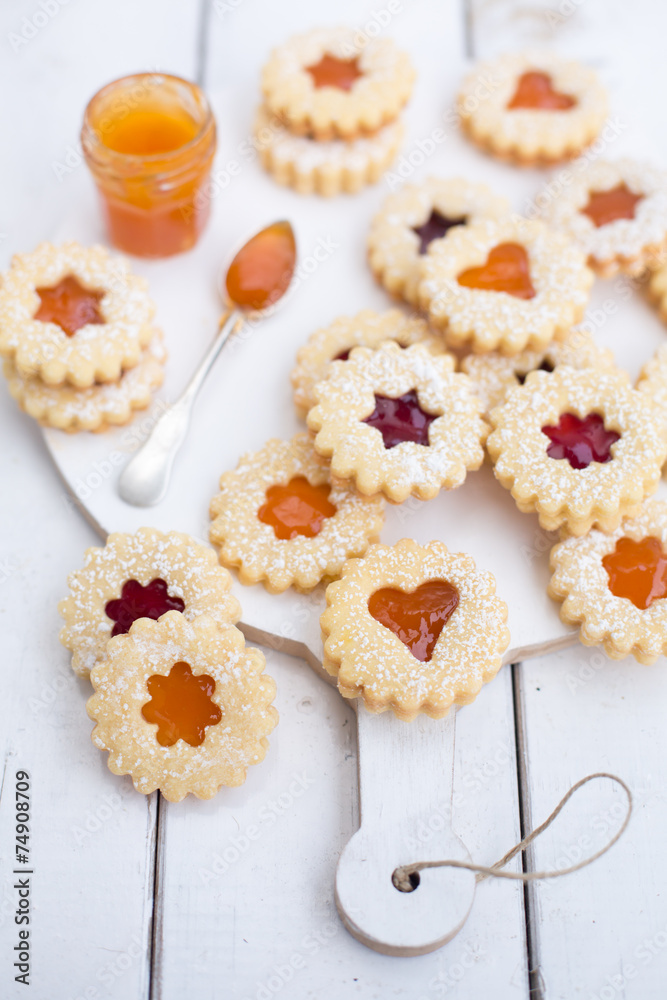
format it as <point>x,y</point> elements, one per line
<point>412,218</point>
<point>616,213</point>
<point>367,329</point>
<point>324,86</point>
<point>652,382</point>
<point>413,629</point>
<point>182,706</point>
<point>140,576</point>
<point>280,518</point>
<point>504,285</point>
<point>73,314</point>
<point>582,448</point>
<point>532,108</point>
<point>613,586</point>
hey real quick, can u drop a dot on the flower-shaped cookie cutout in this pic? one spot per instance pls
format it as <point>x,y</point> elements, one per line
<point>324,85</point>
<point>504,285</point>
<point>73,314</point>
<point>367,329</point>
<point>582,448</point>
<point>143,575</point>
<point>414,629</point>
<point>400,422</point>
<point>280,518</point>
<point>616,213</point>
<point>98,406</point>
<point>328,168</point>
<point>614,585</point>
<point>412,218</point>
<point>532,107</point>
<point>494,375</point>
<point>652,382</point>
<point>182,706</point>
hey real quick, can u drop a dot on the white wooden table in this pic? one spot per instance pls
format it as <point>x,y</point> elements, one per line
<point>134,898</point>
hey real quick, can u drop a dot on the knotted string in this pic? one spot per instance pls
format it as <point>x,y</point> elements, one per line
<point>403,877</point>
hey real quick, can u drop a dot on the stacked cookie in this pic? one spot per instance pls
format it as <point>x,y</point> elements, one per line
<point>77,333</point>
<point>330,120</point>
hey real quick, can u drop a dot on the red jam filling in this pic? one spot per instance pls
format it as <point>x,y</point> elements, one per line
<point>333,72</point>
<point>536,92</point>
<point>298,508</point>
<point>400,419</point>
<point>262,270</point>
<point>69,305</point>
<point>580,441</point>
<point>435,227</point>
<point>136,601</point>
<point>607,206</point>
<point>638,571</point>
<point>417,618</point>
<point>181,705</point>
<point>506,270</point>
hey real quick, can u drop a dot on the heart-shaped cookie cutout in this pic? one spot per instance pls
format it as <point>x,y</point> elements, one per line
<point>637,571</point>
<point>506,270</point>
<point>536,92</point>
<point>417,618</point>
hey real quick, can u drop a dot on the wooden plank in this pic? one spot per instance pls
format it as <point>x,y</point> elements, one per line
<point>92,836</point>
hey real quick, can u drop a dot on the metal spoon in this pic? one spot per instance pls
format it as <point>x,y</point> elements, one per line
<point>145,479</point>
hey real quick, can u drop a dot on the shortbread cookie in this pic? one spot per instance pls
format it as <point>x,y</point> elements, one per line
<point>652,382</point>
<point>657,285</point>
<point>140,576</point>
<point>616,213</point>
<point>614,585</point>
<point>533,108</point>
<point>412,218</point>
<point>494,375</point>
<point>504,285</point>
<point>336,166</point>
<point>324,85</point>
<point>281,519</point>
<point>400,422</point>
<point>582,448</point>
<point>182,706</point>
<point>413,628</point>
<point>73,314</point>
<point>367,329</point>
<point>98,406</point>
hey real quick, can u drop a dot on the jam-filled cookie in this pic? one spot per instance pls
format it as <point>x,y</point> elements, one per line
<point>616,213</point>
<point>97,407</point>
<point>334,343</point>
<point>323,85</point>
<point>582,448</point>
<point>335,166</point>
<point>494,375</point>
<point>143,575</point>
<point>532,108</point>
<point>280,518</point>
<point>614,585</point>
<point>385,419</point>
<point>413,628</point>
<point>652,382</point>
<point>73,314</point>
<point>412,218</point>
<point>504,285</point>
<point>183,706</point>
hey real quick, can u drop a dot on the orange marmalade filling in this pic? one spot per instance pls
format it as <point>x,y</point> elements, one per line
<point>69,305</point>
<point>145,133</point>
<point>506,270</point>
<point>638,571</point>
<point>181,705</point>
<point>607,206</point>
<point>417,618</point>
<point>261,272</point>
<point>333,72</point>
<point>296,509</point>
<point>535,91</point>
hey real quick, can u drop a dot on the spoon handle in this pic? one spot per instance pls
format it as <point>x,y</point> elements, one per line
<point>144,480</point>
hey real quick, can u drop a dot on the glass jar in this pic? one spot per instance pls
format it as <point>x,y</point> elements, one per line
<point>149,141</point>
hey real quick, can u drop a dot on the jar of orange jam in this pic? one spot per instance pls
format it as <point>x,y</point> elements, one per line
<point>149,141</point>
